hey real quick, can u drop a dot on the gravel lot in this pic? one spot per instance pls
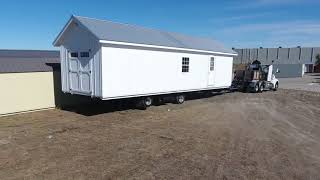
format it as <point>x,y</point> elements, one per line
<point>272,135</point>
<point>309,82</point>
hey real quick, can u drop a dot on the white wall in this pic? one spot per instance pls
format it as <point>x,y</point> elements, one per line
<point>128,72</point>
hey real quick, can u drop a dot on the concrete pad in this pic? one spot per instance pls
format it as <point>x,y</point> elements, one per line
<point>309,82</point>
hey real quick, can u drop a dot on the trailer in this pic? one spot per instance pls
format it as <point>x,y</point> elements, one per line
<point>108,60</point>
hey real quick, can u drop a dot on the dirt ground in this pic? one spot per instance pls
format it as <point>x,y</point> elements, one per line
<point>273,135</point>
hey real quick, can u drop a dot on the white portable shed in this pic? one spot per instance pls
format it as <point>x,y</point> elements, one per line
<point>112,60</point>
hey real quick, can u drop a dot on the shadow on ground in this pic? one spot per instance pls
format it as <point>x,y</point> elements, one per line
<point>314,74</point>
<point>97,106</point>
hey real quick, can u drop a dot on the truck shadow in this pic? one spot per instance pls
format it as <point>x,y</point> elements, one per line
<point>314,74</point>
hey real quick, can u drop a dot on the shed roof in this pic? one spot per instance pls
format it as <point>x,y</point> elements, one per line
<point>16,61</point>
<point>111,31</point>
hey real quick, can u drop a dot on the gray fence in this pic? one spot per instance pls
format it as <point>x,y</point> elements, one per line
<point>278,55</point>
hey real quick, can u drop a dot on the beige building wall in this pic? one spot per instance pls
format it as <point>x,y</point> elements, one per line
<point>26,91</point>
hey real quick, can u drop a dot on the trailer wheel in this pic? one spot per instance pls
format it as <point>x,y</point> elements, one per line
<point>144,103</point>
<point>148,101</point>
<point>180,99</point>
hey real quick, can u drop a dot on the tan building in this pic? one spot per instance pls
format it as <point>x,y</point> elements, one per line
<point>27,81</point>
<point>30,80</point>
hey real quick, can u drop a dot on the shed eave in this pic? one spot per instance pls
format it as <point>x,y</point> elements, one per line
<point>164,47</point>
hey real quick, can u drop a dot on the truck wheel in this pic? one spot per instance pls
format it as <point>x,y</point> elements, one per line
<point>276,87</point>
<point>180,99</point>
<point>256,88</point>
<point>261,88</point>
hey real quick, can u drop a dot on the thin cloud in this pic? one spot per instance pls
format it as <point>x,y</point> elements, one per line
<point>267,3</point>
<point>240,17</point>
<point>294,27</point>
<point>303,33</point>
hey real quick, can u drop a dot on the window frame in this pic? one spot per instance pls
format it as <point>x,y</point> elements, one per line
<point>86,53</point>
<point>212,59</point>
<point>185,68</point>
<point>73,57</point>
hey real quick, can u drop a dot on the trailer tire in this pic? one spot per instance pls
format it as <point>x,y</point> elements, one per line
<point>140,105</point>
<point>179,99</point>
<point>144,103</point>
<point>148,101</point>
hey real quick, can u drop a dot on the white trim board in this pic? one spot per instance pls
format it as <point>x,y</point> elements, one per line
<point>167,93</point>
<point>163,47</point>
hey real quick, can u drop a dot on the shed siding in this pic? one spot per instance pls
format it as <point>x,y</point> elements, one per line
<point>133,72</point>
<point>26,91</point>
<point>77,39</point>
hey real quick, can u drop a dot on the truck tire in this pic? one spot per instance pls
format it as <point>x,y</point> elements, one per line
<point>261,88</point>
<point>179,99</point>
<point>276,86</point>
<point>256,88</point>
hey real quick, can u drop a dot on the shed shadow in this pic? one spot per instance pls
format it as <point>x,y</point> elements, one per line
<point>100,107</point>
<point>97,106</point>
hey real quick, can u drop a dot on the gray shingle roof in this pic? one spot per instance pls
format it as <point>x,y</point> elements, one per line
<point>16,61</point>
<point>111,31</point>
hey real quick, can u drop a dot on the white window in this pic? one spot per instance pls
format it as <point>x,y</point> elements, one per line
<point>73,54</point>
<point>212,64</point>
<point>84,54</point>
<point>185,64</point>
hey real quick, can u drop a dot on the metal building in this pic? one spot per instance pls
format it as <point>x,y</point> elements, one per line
<point>292,62</point>
<point>30,80</point>
<point>26,79</point>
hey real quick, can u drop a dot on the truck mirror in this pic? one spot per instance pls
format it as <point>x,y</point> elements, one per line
<point>277,71</point>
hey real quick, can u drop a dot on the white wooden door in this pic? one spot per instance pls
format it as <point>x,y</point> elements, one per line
<point>211,74</point>
<point>80,72</point>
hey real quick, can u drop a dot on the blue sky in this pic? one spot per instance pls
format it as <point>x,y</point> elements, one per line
<point>34,24</point>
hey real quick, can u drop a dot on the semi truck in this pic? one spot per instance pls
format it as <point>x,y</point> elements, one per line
<point>255,77</point>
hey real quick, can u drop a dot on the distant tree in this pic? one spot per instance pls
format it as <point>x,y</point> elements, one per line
<point>318,59</point>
